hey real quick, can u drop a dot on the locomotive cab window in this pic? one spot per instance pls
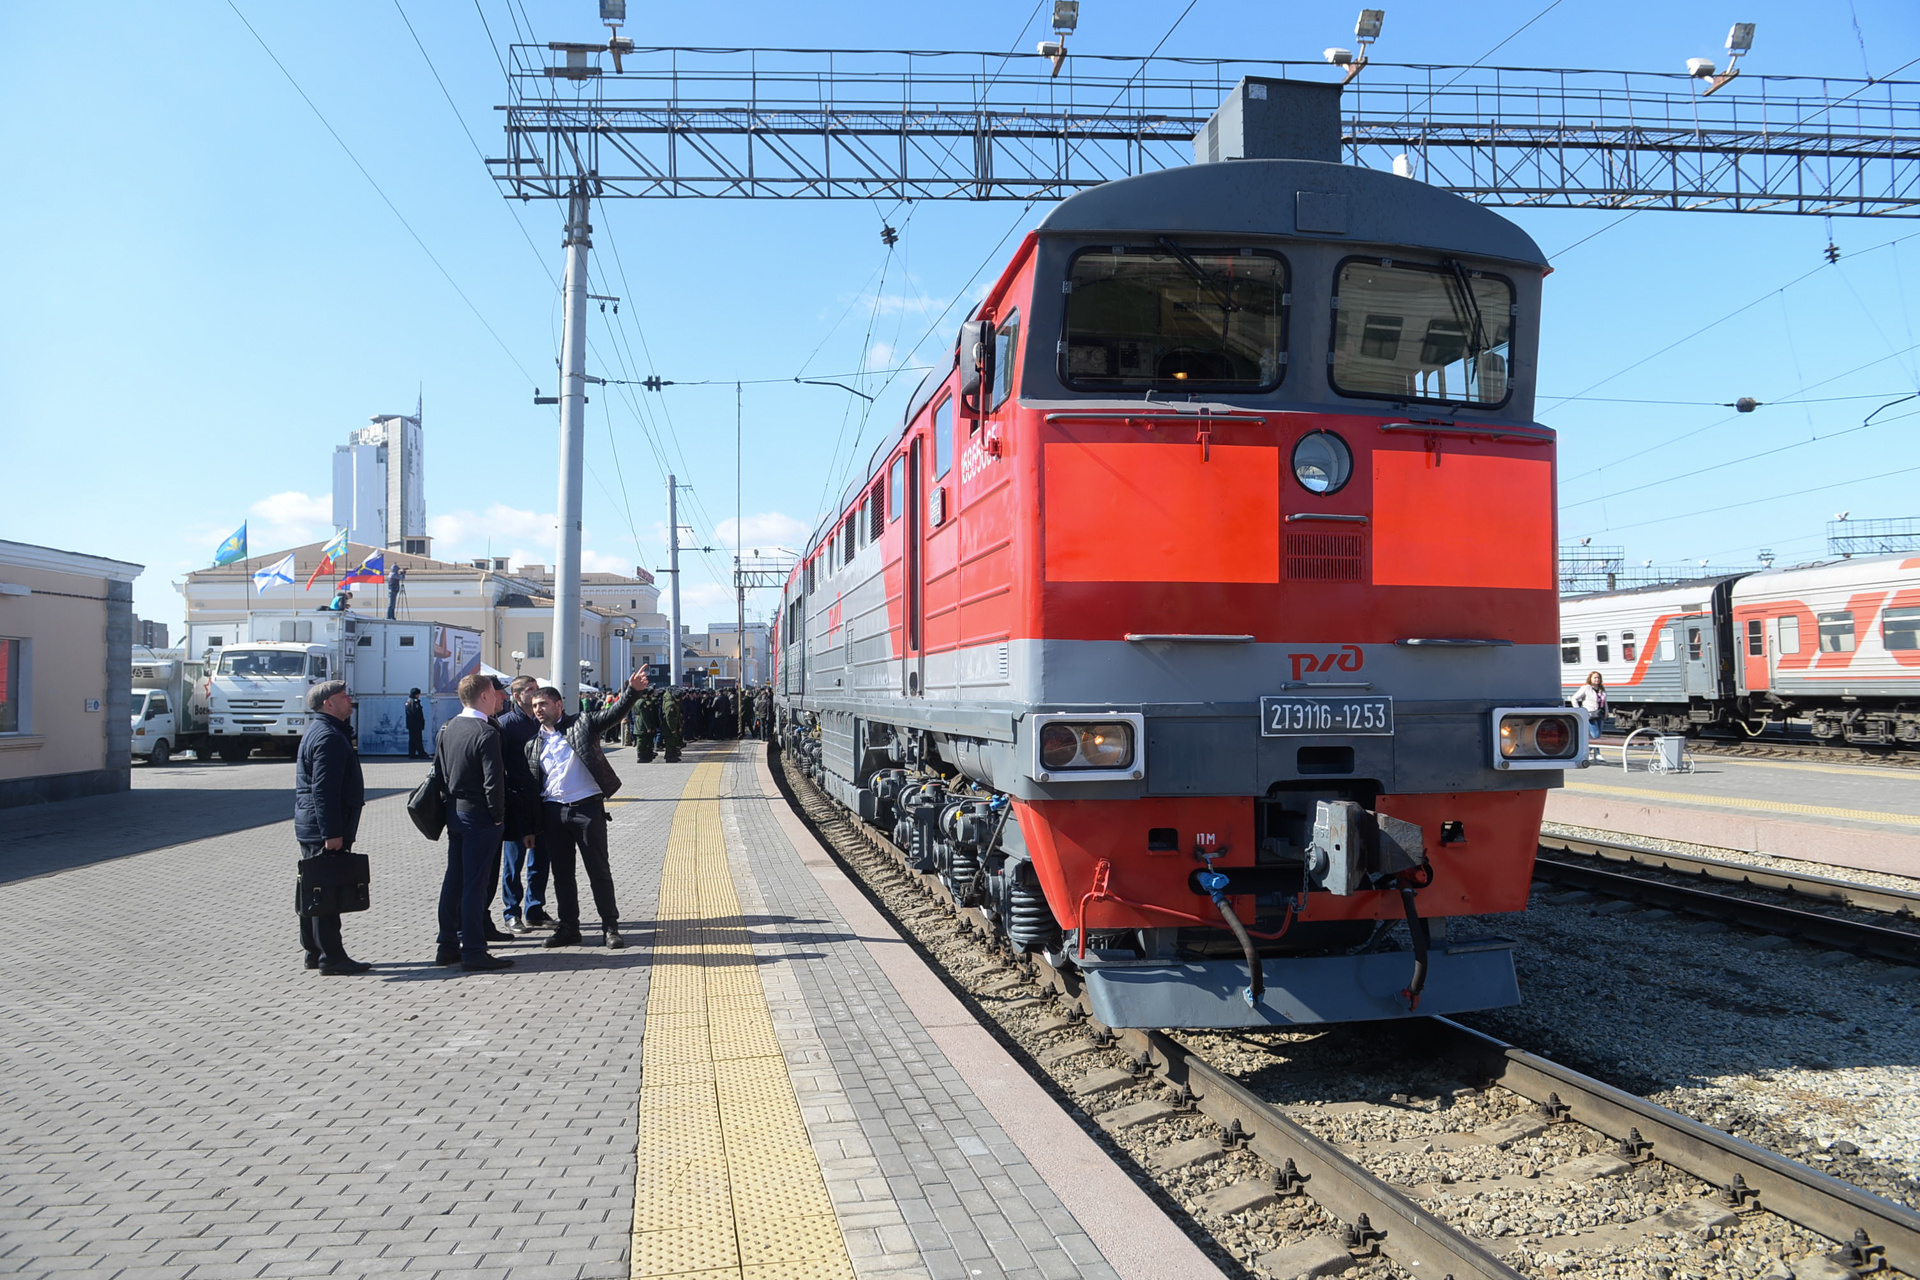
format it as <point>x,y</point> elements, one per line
<point>943,438</point>
<point>1006,349</point>
<point>1406,331</point>
<point>1169,316</point>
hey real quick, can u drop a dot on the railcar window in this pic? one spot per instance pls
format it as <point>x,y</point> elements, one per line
<point>1789,635</point>
<point>1404,331</point>
<point>1836,632</point>
<point>1006,348</point>
<point>1694,647</point>
<point>1570,649</point>
<point>1756,638</point>
<point>1900,629</point>
<point>943,438</point>
<point>1628,649</point>
<point>1600,648</point>
<point>1167,316</point>
<point>897,486</point>
<point>1666,646</point>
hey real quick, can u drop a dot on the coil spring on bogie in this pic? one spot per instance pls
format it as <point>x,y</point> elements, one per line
<point>1030,922</point>
<point>963,865</point>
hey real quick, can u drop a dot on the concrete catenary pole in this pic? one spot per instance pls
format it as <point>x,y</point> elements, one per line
<point>565,650</point>
<point>673,571</point>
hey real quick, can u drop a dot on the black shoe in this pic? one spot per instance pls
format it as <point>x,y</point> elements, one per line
<point>540,920</point>
<point>313,961</point>
<point>495,935</point>
<point>447,955</point>
<point>565,936</point>
<point>486,963</point>
<point>613,939</point>
<point>344,967</point>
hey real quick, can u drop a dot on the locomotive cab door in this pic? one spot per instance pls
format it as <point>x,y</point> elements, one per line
<point>912,657</point>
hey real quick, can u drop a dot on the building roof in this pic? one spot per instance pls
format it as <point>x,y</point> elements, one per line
<point>29,556</point>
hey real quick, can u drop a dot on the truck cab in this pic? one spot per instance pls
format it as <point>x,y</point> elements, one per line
<point>258,695</point>
<point>169,708</point>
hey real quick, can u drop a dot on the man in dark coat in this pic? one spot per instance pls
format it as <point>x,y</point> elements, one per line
<point>523,884</point>
<point>416,726</point>
<point>328,794</point>
<point>646,724</point>
<point>569,765</point>
<point>467,757</point>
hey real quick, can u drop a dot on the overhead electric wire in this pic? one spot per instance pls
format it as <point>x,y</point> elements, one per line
<point>494,44</point>
<point>1747,502</point>
<point>1752,457</point>
<point>378,190</point>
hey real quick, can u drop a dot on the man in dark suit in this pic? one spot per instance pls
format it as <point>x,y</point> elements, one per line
<point>523,882</point>
<point>416,726</point>
<point>467,757</point>
<point>328,794</point>
<point>570,768</point>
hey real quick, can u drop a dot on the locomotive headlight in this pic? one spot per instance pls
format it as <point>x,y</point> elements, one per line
<point>1088,749</point>
<point>1322,463</point>
<point>1530,738</point>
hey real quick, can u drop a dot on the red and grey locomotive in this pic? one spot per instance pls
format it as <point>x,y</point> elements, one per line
<point>1198,620</point>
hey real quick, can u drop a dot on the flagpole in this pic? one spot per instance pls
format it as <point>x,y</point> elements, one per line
<point>246,572</point>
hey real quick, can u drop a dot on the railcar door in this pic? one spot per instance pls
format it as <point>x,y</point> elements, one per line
<point>912,657</point>
<point>1698,660</point>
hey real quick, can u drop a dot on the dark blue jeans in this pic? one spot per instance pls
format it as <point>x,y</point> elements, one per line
<point>473,851</point>
<point>523,879</point>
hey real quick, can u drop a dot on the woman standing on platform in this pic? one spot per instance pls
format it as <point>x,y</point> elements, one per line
<point>1592,699</point>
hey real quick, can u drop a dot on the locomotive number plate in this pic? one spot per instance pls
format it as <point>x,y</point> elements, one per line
<point>1318,717</point>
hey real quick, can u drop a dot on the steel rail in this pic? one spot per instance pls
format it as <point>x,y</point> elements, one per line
<point>1874,940</point>
<point>1750,1177</point>
<point>1802,1195</point>
<point>1866,897</point>
<point>1400,1227</point>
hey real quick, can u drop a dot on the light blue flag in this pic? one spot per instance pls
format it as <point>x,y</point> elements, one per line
<point>277,574</point>
<point>234,548</point>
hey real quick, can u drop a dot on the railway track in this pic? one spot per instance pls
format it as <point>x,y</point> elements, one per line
<point>1576,863</point>
<point>1378,1220</point>
<point>1804,751</point>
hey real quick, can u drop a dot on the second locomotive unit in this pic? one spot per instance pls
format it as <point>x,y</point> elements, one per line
<point>1198,621</point>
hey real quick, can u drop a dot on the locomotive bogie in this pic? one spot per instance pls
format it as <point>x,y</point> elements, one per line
<point>1195,688</point>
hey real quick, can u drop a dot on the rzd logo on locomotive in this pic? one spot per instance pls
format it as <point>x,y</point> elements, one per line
<point>1348,657</point>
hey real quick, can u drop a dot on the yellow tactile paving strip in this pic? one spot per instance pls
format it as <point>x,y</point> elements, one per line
<point>1740,802</point>
<point>727,1183</point>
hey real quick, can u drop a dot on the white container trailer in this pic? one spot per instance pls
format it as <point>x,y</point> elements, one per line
<point>258,688</point>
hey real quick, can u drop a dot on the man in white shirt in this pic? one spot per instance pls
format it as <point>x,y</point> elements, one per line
<point>571,771</point>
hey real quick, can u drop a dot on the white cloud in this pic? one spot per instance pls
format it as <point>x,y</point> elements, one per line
<point>462,533</point>
<point>765,531</point>
<point>880,355</point>
<point>706,597</point>
<point>599,562</point>
<point>288,519</point>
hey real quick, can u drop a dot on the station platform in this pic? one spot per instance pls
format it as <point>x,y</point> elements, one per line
<point>767,1082</point>
<point>1856,816</point>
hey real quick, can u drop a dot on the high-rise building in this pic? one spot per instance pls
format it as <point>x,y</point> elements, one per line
<point>379,485</point>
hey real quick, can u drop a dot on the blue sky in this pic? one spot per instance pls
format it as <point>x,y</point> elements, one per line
<point>204,295</point>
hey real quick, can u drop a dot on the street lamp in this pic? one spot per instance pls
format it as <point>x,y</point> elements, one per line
<point>518,658</point>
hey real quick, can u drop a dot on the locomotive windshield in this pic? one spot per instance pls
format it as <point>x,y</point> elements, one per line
<point>1170,316</point>
<point>1410,332</point>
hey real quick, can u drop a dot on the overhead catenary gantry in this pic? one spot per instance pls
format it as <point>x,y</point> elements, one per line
<point>824,124</point>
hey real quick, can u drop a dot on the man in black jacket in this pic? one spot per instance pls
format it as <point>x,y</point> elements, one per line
<point>328,794</point>
<point>523,886</point>
<point>416,726</point>
<point>468,759</point>
<point>571,771</point>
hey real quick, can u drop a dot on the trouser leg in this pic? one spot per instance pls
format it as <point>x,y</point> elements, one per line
<point>534,870</point>
<point>512,878</point>
<point>559,844</point>
<point>480,870</point>
<point>452,883</point>
<point>590,819</point>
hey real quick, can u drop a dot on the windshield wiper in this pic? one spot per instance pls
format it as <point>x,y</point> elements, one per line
<point>1477,340</point>
<point>1206,279</point>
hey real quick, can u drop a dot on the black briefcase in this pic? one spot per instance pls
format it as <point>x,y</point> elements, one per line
<point>333,884</point>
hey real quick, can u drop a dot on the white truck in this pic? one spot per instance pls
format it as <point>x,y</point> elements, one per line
<point>169,707</point>
<point>257,695</point>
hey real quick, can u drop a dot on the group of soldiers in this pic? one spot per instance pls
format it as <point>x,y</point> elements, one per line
<point>675,715</point>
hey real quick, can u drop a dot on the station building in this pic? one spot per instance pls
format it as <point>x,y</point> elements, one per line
<point>66,661</point>
<point>511,609</point>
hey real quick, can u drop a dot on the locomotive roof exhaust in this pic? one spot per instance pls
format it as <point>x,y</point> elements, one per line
<point>1268,119</point>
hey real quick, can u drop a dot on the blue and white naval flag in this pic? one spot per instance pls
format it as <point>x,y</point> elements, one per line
<point>277,574</point>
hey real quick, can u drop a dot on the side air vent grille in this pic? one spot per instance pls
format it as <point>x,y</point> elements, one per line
<point>1326,557</point>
